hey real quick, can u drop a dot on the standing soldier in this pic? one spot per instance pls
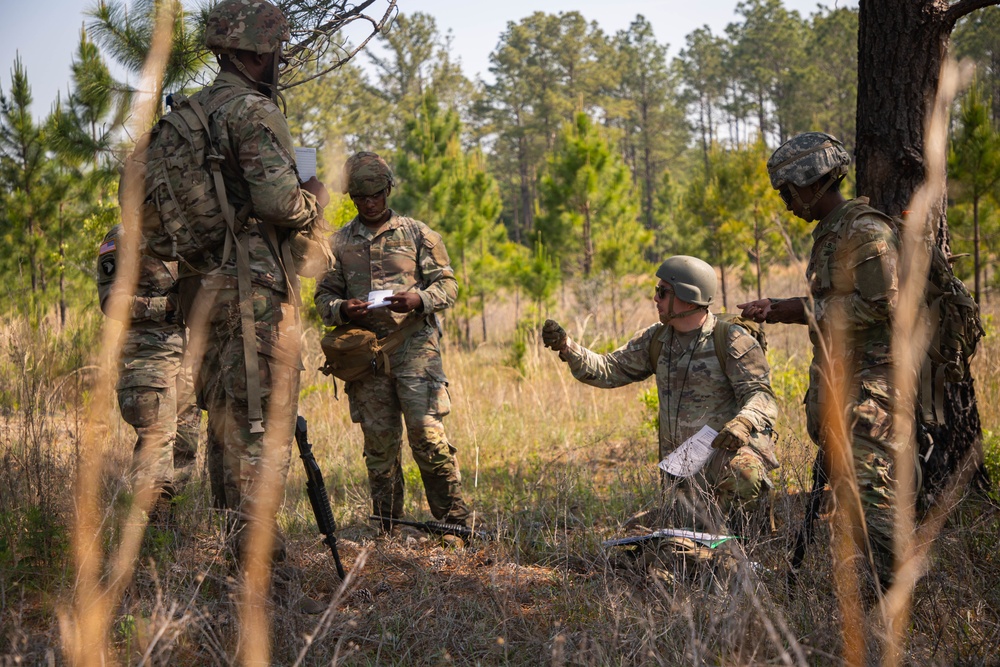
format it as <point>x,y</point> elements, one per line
<point>380,250</point>
<point>250,410</point>
<point>698,384</point>
<point>853,288</point>
<point>155,394</point>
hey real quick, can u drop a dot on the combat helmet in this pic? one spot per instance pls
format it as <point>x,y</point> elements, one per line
<point>806,158</point>
<point>693,280</point>
<point>366,174</point>
<point>246,25</point>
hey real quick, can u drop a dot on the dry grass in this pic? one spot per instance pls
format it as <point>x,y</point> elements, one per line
<point>554,465</point>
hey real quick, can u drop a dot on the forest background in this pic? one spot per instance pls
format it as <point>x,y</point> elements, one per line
<point>559,185</point>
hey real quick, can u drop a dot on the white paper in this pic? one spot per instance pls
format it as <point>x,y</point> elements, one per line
<point>692,454</point>
<point>305,162</point>
<point>377,298</point>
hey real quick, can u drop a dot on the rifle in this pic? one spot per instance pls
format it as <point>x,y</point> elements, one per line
<point>709,540</point>
<point>317,493</point>
<point>437,528</point>
<point>805,535</point>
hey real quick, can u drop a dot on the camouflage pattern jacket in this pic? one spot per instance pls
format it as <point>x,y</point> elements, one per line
<point>853,281</point>
<point>694,389</point>
<point>262,183</point>
<point>403,255</point>
<point>154,341</point>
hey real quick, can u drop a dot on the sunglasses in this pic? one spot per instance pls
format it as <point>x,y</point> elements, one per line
<point>363,199</point>
<point>663,290</point>
<point>786,195</point>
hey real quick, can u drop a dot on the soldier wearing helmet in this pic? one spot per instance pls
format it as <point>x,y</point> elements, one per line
<point>852,278</point>
<point>726,387</point>
<point>380,250</point>
<point>249,383</point>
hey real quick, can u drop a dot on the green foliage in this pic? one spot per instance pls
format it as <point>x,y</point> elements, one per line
<point>991,461</point>
<point>974,170</point>
<point>536,273</point>
<point>650,399</point>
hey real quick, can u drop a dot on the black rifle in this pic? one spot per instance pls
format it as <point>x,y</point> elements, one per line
<point>805,535</point>
<point>437,528</point>
<point>317,492</point>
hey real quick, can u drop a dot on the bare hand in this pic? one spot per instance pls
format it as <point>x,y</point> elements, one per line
<point>353,309</point>
<point>756,310</point>
<point>404,302</point>
<point>315,187</point>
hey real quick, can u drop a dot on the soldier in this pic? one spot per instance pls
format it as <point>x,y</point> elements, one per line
<point>852,293</point>
<point>381,250</point>
<point>249,411</point>
<point>155,394</point>
<point>697,386</point>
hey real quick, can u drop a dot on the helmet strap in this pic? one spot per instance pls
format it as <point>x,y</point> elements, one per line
<point>671,315</point>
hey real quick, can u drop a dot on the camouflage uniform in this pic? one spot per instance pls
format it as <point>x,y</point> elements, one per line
<point>694,390</point>
<point>155,394</point>
<point>262,185</point>
<point>402,255</point>
<point>853,281</point>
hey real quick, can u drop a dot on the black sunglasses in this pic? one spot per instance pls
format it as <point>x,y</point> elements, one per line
<point>785,194</point>
<point>663,290</point>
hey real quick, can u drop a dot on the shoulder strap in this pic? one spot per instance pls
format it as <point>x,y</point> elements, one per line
<point>723,323</point>
<point>655,346</point>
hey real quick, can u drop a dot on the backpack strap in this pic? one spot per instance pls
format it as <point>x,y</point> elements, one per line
<point>251,363</point>
<point>720,335</point>
<point>655,346</point>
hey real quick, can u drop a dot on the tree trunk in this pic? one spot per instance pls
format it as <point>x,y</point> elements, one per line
<point>975,245</point>
<point>901,46</point>
<point>588,242</point>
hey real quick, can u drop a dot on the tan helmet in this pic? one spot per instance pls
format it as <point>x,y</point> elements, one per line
<point>246,25</point>
<point>692,279</point>
<point>366,174</point>
<point>806,158</point>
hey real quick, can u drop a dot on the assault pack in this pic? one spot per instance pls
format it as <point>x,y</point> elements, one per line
<point>184,210</point>
<point>723,323</point>
<point>950,310</point>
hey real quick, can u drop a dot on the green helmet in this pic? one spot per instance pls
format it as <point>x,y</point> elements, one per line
<point>366,174</point>
<point>246,25</point>
<point>806,158</point>
<point>692,279</point>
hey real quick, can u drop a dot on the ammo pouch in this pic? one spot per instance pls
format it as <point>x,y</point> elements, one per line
<point>353,353</point>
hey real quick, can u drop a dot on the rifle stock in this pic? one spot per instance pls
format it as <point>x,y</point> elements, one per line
<point>437,528</point>
<point>805,535</point>
<point>317,493</point>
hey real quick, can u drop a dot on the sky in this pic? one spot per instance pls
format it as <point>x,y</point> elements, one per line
<point>46,32</point>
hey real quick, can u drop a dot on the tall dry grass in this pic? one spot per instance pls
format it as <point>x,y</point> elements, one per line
<point>554,465</point>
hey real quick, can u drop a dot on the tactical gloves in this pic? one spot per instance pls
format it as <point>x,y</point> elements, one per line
<point>553,335</point>
<point>735,434</point>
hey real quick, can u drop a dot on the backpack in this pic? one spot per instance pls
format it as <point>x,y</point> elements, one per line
<point>723,323</point>
<point>183,216</point>
<point>952,313</point>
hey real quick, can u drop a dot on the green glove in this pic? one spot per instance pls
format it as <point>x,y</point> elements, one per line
<point>554,336</point>
<point>734,434</point>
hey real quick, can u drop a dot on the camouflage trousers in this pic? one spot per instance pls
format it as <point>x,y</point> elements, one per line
<point>416,393</point>
<point>234,453</point>
<point>726,493</point>
<point>872,451</point>
<point>165,417</point>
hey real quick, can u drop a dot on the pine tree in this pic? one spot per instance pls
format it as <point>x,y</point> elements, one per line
<point>974,163</point>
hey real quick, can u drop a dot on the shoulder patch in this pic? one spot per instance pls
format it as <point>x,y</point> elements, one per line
<point>106,247</point>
